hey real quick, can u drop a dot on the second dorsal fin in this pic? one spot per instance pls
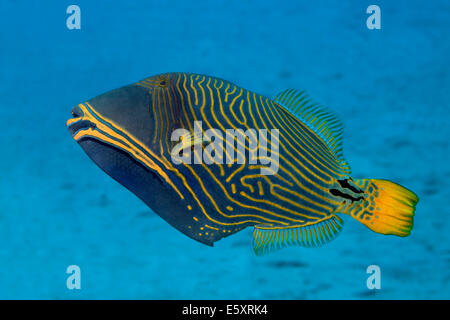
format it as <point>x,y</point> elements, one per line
<point>318,118</point>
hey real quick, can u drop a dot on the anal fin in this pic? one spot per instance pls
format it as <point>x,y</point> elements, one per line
<point>270,238</point>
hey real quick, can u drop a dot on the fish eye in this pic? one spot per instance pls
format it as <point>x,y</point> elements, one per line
<point>163,83</point>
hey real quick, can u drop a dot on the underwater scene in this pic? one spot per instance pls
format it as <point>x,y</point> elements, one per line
<point>349,100</point>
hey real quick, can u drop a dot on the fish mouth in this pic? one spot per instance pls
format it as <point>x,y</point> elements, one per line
<point>78,122</point>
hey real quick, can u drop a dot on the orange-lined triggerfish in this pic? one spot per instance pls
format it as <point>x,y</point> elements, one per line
<point>128,133</point>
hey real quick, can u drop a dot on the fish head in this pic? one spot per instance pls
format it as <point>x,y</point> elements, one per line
<point>114,126</point>
<point>121,132</point>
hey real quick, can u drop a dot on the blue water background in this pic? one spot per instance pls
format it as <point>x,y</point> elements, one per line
<point>391,87</point>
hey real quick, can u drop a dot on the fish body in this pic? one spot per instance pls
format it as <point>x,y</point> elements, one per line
<point>212,158</point>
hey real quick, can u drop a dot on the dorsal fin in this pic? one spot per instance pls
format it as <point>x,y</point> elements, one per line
<point>318,118</point>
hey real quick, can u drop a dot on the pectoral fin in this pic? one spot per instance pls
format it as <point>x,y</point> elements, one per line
<point>188,141</point>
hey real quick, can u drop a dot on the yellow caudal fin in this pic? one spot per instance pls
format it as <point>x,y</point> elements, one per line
<point>388,207</point>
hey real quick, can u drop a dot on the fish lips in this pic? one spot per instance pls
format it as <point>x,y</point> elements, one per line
<point>81,124</point>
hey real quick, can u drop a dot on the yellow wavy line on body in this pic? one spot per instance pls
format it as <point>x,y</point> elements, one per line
<point>205,191</point>
<point>155,133</point>
<point>274,193</point>
<point>249,107</point>
<point>242,123</point>
<point>297,182</point>
<point>193,89</point>
<point>211,107</point>
<point>274,174</point>
<point>246,148</point>
<point>182,102</point>
<point>229,93</point>
<point>308,190</point>
<point>161,123</point>
<point>170,104</point>
<point>299,195</point>
<point>241,167</point>
<point>290,154</point>
<point>190,105</point>
<point>239,203</point>
<point>242,105</point>
<point>329,209</point>
<point>166,127</point>
<point>211,227</point>
<point>324,153</point>
<point>227,120</point>
<point>245,195</point>
<point>199,84</point>
<point>247,185</point>
<point>234,127</point>
<point>147,83</point>
<point>260,188</point>
<point>288,162</point>
<point>189,98</point>
<point>235,201</point>
<point>222,172</point>
<point>195,118</point>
